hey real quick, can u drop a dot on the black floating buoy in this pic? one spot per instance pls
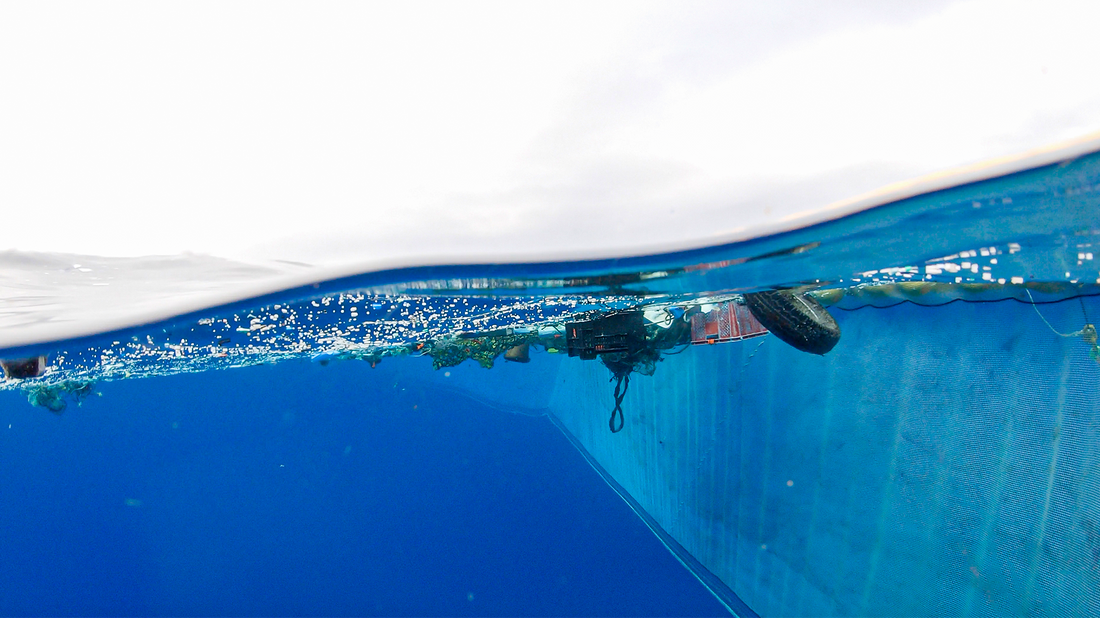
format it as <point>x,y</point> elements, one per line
<point>796,318</point>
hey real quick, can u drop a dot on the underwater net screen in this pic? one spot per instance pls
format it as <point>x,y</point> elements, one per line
<point>890,413</point>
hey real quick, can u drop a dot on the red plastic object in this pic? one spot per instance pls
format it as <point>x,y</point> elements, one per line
<point>729,321</point>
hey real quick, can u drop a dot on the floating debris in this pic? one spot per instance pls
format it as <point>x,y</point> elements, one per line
<point>54,397</point>
<point>23,368</point>
<point>519,354</point>
<point>796,318</point>
<point>482,348</point>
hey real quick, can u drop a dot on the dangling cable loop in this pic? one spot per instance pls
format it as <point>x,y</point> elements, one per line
<point>624,382</point>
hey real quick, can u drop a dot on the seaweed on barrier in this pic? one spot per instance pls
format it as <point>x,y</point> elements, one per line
<point>483,348</point>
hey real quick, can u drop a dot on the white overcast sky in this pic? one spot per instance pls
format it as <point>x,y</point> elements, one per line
<point>332,132</point>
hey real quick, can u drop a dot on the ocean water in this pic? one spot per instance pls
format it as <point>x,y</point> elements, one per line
<point>579,438</point>
<point>298,489</point>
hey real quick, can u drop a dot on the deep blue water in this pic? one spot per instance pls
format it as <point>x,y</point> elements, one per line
<point>299,489</point>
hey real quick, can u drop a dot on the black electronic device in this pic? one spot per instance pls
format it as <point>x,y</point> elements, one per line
<point>618,332</point>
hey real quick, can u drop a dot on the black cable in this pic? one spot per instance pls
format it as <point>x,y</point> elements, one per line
<point>624,382</point>
<point>962,300</point>
<point>686,346</point>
